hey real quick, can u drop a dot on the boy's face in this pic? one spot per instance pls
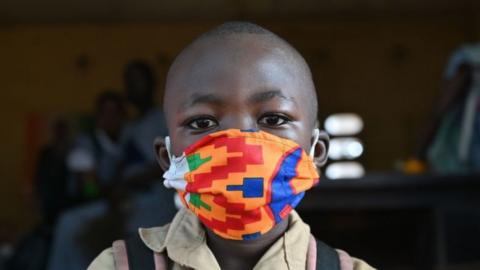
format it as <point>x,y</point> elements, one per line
<point>243,83</point>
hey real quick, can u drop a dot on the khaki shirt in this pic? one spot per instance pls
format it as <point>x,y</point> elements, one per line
<point>185,242</point>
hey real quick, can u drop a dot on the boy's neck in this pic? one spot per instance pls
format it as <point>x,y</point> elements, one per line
<point>235,254</point>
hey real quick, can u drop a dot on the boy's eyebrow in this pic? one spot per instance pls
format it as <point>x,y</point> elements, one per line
<point>268,95</point>
<point>202,98</point>
<point>216,100</point>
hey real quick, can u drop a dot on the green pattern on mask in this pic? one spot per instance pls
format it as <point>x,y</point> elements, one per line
<point>197,202</point>
<point>195,161</point>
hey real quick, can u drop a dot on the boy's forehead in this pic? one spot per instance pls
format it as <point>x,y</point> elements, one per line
<point>240,67</point>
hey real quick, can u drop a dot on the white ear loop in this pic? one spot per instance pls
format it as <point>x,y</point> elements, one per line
<point>168,146</point>
<point>316,136</point>
<point>173,177</point>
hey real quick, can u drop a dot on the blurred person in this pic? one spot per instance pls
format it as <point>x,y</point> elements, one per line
<point>52,172</point>
<point>140,86</point>
<point>94,167</point>
<point>95,161</point>
<point>83,232</point>
<point>452,140</point>
<point>141,174</point>
<point>243,147</point>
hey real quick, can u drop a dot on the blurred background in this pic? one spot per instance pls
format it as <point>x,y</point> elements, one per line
<point>399,91</point>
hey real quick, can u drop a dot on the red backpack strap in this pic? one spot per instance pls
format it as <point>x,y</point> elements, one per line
<point>346,262</point>
<point>120,256</point>
<point>160,261</point>
<point>312,254</point>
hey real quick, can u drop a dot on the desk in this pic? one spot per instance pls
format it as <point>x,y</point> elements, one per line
<point>443,213</point>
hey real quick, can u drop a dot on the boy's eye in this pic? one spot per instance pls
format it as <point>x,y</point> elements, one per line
<point>202,123</point>
<point>273,120</point>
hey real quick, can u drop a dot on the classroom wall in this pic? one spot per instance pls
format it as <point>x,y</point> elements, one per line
<point>387,70</point>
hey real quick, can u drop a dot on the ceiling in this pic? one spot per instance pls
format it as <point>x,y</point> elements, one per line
<point>87,11</point>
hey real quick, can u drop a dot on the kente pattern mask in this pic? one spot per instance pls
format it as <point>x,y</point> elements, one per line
<point>241,183</point>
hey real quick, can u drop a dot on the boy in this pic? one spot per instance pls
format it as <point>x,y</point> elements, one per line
<point>240,105</point>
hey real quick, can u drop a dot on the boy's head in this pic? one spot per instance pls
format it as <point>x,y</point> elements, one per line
<point>235,78</point>
<point>240,75</point>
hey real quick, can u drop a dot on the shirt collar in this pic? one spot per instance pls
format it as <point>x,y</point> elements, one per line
<point>184,239</point>
<point>185,242</point>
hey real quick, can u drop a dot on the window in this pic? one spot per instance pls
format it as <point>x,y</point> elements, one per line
<point>344,169</point>
<point>345,149</point>
<point>343,124</point>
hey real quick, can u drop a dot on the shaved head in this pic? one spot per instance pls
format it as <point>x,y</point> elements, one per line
<point>239,32</point>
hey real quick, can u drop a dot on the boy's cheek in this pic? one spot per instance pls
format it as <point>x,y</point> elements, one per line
<point>301,137</point>
<point>182,140</point>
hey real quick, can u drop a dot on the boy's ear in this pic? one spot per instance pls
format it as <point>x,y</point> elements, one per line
<point>161,153</point>
<point>320,155</point>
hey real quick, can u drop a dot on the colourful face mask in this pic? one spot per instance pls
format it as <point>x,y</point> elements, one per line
<point>241,183</point>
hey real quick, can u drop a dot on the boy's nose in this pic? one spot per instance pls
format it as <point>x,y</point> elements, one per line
<point>239,122</point>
